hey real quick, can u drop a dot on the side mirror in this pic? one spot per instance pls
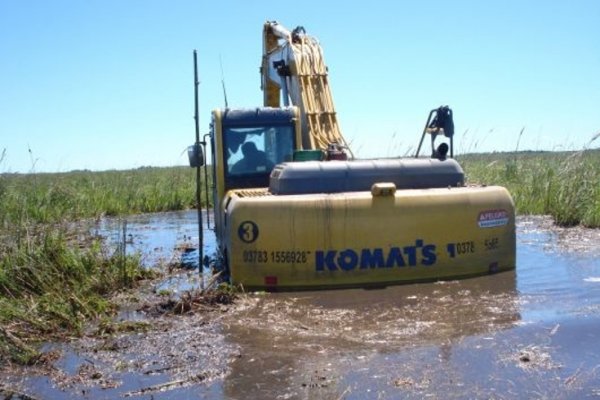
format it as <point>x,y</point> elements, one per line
<point>195,156</point>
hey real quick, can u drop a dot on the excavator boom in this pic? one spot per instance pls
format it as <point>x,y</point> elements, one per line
<point>293,69</point>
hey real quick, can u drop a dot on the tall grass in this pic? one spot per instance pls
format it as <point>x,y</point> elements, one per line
<point>81,194</point>
<point>565,185</point>
<point>49,284</point>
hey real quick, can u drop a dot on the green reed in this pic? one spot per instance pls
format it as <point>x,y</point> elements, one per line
<point>82,194</point>
<point>49,286</point>
<point>50,283</point>
<point>565,185</point>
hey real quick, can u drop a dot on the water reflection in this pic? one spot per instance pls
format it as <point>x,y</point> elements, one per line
<point>156,236</point>
<point>162,239</point>
<point>557,270</point>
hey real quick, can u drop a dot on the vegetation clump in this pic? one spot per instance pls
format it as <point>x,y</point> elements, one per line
<point>49,288</point>
<point>221,295</point>
<point>50,282</point>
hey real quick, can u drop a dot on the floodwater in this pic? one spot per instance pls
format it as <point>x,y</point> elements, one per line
<point>529,333</point>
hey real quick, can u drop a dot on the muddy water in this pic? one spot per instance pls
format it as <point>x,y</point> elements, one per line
<point>532,333</point>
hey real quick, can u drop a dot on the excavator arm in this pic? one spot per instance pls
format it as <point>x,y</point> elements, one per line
<point>294,72</point>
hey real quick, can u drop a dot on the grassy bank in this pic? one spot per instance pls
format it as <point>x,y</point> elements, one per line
<point>49,283</point>
<point>49,287</point>
<point>565,185</point>
<point>82,194</point>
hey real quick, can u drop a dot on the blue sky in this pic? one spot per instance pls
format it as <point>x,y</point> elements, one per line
<point>109,84</point>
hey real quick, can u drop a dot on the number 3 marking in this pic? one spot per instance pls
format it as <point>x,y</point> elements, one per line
<point>248,231</point>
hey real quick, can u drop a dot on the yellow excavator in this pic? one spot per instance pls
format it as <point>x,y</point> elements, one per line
<point>295,210</point>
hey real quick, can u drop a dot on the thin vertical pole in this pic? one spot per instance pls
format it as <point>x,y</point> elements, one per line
<point>198,183</point>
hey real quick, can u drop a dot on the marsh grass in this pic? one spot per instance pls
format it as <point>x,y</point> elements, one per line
<point>565,185</point>
<point>50,284</point>
<point>49,287</point>
<point>45,198</point>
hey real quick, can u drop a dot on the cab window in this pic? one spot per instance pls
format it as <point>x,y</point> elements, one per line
<point>256,150</point>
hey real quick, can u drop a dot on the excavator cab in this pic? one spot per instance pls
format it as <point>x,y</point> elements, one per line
<point>250,142</point>
<point>247,144</point>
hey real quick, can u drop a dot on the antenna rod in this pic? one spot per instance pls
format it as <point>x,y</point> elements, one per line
<point>196,83</point>
<point>223,81</point>
<point>198,184</point>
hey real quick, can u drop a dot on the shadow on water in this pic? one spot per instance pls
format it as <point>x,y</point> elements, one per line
<point>529,333</point>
